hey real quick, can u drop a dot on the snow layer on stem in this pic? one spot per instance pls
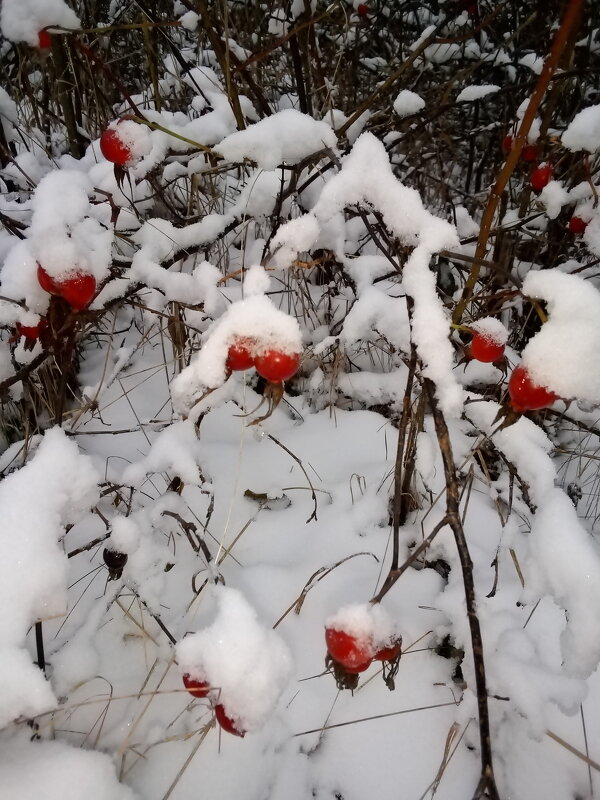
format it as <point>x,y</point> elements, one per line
<point>33,569</point>
<point>565,354</point>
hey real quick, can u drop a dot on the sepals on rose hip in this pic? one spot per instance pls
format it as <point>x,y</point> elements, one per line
<point>115,562</point>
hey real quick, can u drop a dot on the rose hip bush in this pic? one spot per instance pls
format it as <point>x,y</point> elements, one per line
<point>299,389</point>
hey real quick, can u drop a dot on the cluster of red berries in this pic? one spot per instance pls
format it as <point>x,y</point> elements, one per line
<point>273,365</point>
<point>202,689</point>
<point>355,654</point>
<point>529,153</point>
<point>525,394</point>
<point>541,177</point>
<point>77,287</point>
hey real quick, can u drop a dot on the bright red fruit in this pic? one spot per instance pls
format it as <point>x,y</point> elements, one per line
<point>44,40</point>
<point>276,366</point>
<point>541,176</point>
<point>485,349</point>
<point>31,331</point>
<point>194,687</point>
<point>77,288</point>
<point>114,149</point>
<point>347,650</point>
<point>240,355</point>
<point>226,722</point>
<point>577,225</point>
<point>529,153</point>
<point>46,282</point>
<point>390,652</point>
<point>525,394</point>
<point>362,9</point>
<point>507,143</point>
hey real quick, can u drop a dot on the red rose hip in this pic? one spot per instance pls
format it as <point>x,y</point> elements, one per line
<point>389,652</point>
<point>576,225</point>
<point>485,349</point>
<point>44,40</point>
<point>240,355</point>
<point>226,722</point>
<point>525,394</point>
<point>196,688</point>
<point>541,176</point>
<point>114,149</point>
<point>77,288</point>
<point>352,653</point>
<point>277,366</point>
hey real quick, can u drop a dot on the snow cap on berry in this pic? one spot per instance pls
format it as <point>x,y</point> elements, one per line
<point>491,328</point>
<point>366,622</point>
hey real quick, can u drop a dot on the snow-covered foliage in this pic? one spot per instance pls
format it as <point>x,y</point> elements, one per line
<point>280,374</point>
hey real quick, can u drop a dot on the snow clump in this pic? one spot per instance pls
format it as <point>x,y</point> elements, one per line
<point>247,664</point>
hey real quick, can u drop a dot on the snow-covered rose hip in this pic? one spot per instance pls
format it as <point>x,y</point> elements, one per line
<point>486,349</point>
<point>195,687</point>
<point>529,153</point>
<point>577,225</point>
<point>226,722</point>
<point>525,394</point>
<point>240,355</point>
<point>353,653</point>
<point>389,651</point>
<point>76,287</point>
<point>276,365</point>
<point>114,148</point>
<point>541,176</point>
<point>32,332</point>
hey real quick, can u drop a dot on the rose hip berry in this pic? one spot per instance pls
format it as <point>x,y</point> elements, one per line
<point>541,176</point>
<point>352,653</point>
<point>529,153</point>
<point>485,349</point>
<point>32,332</point>
<point>576,225</point>
<point>362,9</point>
<point>77,288</point>
<point>44,40</point>
<point>240,355</point>
<point>114,149</point>
<point>277,366</point>
<point>389,652</point>
<point>196,688</point>
<point>226,722</point>
<point>507,143</point>
<point>525,394</point>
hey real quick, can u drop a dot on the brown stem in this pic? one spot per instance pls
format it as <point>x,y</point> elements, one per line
<point>487,784</point>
